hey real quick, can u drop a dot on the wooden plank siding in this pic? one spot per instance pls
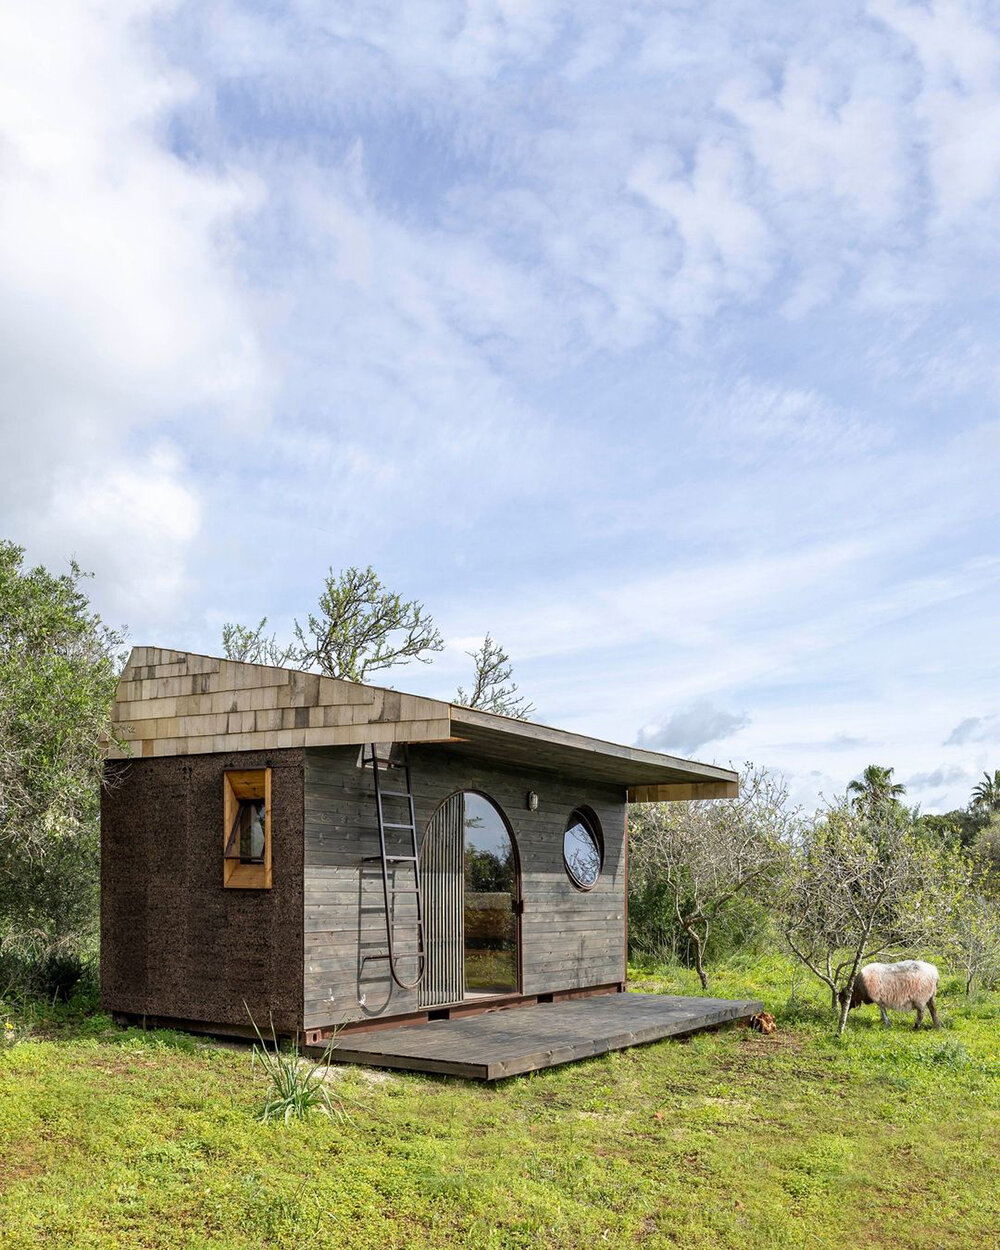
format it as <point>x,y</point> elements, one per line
<point>569,938</point>
<point>178,703</point>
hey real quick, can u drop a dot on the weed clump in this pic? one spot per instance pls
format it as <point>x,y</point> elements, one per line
<point>295,1086</point>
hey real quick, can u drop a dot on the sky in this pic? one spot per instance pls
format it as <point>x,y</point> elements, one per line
<point>659,340</point>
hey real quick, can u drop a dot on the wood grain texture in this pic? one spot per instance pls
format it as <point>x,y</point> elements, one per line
<point>507,1043</point>
<point>569,938</point>
<point>246,784</point>
<point>177,703</point>
<point>684,792</point>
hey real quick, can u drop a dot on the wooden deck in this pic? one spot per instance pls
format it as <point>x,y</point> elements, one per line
<point>496,1044</point>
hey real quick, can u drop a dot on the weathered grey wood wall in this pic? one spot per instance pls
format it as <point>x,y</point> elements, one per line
<point>569,938</point>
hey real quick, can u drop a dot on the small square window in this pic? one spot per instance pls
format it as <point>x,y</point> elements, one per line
<point>247,829</point>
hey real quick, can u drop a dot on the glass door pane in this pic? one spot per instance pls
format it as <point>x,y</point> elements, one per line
<point>491,891</point>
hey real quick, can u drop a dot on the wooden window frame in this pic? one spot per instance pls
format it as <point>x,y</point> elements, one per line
<point>246,783</point>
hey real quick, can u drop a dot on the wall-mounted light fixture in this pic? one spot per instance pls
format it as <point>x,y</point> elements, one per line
<point>532,801</point>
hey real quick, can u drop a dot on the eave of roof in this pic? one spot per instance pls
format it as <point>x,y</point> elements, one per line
<point>179,703</point>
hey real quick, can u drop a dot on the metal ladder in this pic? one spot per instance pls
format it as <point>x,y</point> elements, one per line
<point>399,856</point>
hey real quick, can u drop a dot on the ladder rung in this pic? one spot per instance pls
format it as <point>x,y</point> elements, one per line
<point>410,956</point>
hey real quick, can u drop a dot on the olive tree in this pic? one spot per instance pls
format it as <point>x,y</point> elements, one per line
<point>974,938</point>
<point>703,854</point>
<point>860,883</point>
<point>58,668</point>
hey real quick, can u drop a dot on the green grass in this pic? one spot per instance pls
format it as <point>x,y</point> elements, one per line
<point>884,1138</point>
<point>490,970</point>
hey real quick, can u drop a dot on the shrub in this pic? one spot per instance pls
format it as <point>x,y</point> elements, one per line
<point>32,965</point>
<point>295,1086</point>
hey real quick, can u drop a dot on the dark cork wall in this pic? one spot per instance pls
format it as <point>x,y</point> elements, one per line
<point>174,942</point>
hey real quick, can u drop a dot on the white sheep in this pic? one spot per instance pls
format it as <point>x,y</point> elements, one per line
<point>910,984</point>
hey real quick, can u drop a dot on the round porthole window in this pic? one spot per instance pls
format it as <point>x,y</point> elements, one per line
<point>582,850</point>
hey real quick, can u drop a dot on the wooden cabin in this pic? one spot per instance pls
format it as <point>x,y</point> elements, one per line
<point>323,854</point>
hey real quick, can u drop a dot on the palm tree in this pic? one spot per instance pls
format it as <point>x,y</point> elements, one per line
<point>876,790</point>
<point>986,795</point>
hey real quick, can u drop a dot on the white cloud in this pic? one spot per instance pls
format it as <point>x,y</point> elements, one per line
<point>975,729</point>
<point>119,307</point>
<point>959,98</point>
<point>726,244</point>
<point>817,137</point>
<point>753,420</point>
<point>692,727</point>
<point>945,775</point>
<point>135,520</point>
<point>651,340</point>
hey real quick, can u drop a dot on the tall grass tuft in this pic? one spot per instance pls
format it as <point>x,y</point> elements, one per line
<point>295,1086</point>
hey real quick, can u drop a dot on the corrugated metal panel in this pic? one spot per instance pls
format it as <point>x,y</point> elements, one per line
<point>442,882</point>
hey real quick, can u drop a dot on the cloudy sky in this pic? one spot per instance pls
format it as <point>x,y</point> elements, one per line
<point>658,339</point>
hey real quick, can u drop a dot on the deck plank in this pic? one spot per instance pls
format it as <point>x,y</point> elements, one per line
<point>510,1042</point>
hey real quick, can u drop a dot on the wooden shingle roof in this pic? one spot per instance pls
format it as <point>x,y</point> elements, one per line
<point>178,703</point>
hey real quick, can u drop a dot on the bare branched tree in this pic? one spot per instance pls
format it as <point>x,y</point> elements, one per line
<point>362,627</point>
<point>359,628</point>
<point>494,689</point>
<point>861,884</point>
<point>708,852</point>
<point>254,646</point>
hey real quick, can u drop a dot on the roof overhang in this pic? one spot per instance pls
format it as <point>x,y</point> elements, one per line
<point>178,703</point>
<point>647,775</point>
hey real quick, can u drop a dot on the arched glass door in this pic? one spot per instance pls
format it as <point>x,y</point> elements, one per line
<point>490,902</point>
<point>469,871</point>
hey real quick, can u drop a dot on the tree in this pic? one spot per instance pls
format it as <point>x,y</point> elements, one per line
<point>975,939</point>
<point>861,883</point>
<point>876,790</point>
<point>253,646</point>
<point>955,828</point>
<point>58,668</point>
<point>985,857</point>
<point>986,795</point>
<point>704,854</point>
<point>493,689</point>
<point>360,627</point>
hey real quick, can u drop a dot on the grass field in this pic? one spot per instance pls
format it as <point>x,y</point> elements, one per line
<point>885,1138</point>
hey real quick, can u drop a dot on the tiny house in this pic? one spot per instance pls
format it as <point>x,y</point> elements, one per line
<point>328,855</point>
